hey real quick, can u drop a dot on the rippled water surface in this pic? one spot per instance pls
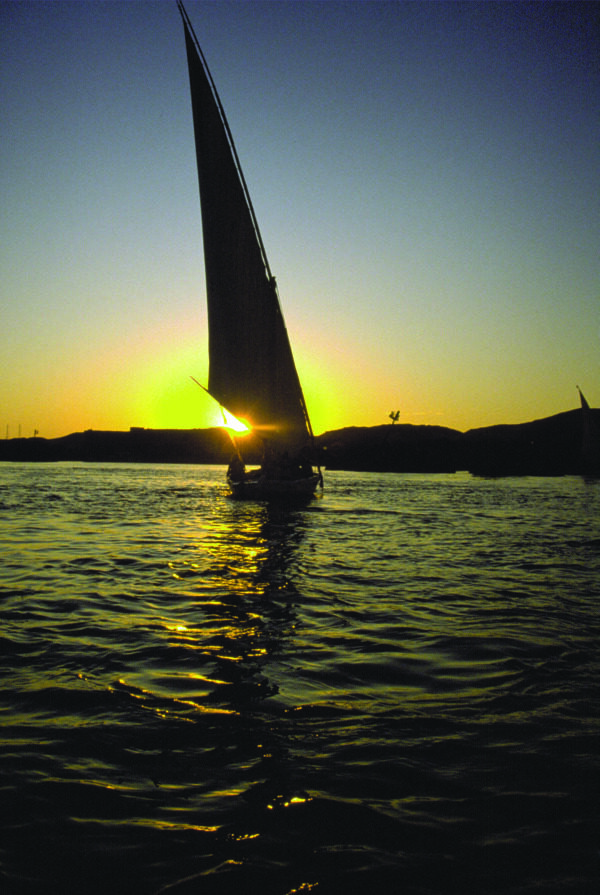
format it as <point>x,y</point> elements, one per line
<point>392,689</point>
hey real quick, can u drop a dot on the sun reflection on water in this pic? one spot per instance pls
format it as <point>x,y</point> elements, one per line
<point>233,603</point>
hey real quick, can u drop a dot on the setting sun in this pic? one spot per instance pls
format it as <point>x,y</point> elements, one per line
<point>231,422</point>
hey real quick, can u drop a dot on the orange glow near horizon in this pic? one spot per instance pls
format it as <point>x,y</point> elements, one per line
<point>117,385</point>
<point>114,383</point>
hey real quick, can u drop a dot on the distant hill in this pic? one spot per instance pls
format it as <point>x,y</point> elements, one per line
<point>550,446</point>
<point>135,446</point>
<point>397,448</point>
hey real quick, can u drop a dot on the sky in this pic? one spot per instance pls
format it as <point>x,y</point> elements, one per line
<point>425,176</point>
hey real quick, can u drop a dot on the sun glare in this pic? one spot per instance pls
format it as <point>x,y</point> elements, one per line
<point>231,422</point>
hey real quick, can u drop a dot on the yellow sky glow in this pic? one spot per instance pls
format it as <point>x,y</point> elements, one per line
<point>434,238</point>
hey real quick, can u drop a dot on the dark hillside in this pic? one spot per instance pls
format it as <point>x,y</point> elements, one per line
<point>550,446</point>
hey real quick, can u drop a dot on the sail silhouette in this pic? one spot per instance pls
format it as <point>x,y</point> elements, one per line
<point>251,367</point>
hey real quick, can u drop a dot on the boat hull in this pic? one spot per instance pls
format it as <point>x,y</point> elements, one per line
<point>263,488</point>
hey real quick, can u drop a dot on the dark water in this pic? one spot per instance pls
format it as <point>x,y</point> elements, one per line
<point>394,689</point>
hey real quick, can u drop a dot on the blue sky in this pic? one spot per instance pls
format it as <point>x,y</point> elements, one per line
<point>425,176</point>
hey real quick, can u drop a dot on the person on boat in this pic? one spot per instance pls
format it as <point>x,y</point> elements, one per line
<point>237,469</point>
<point>268,464</point>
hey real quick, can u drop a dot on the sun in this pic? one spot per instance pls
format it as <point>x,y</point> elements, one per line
<point>232,422</point>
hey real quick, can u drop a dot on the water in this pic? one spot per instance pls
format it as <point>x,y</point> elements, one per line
<point>393,689</point>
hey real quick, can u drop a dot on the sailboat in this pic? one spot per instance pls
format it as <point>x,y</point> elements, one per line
<point>252,373</point>
<point>590,447</point>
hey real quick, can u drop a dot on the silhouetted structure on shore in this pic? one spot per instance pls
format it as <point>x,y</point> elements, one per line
<point>551,446</point>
